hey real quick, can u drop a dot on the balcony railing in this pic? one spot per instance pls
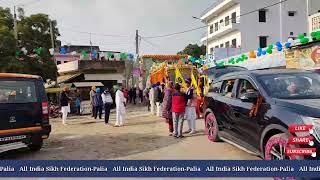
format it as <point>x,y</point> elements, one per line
<point>222,27</point>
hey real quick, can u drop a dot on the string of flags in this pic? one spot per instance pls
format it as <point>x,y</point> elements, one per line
<point>83,54</point>
<point>302,39</point>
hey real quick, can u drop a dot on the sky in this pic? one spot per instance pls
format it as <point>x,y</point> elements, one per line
<point>77,18</point>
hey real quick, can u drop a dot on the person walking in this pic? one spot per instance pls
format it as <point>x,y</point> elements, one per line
<point>64,103</point>
<point>120,107</point>
<point>191,114</point>
<point>167,106</point>
<point>97,103</point>
<point>91,94</point>
<point>178,110</point>
<point>158,99</point>
<point>141,95</point>
<point>125,94</point>
<point>107,103</point>
<point>134,95</point>
<point>151,99</point>
<point>146,98</point>
<point>137,92</point>
<point>78,105</point>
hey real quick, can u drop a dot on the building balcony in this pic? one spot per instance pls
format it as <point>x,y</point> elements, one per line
<point>218,7</point>
<point>222,30</point>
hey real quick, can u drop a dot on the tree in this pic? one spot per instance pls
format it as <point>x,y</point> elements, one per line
<point>194,50</point>
<point>34,31</point>
<point>6,18</point>
<point>34,36</point>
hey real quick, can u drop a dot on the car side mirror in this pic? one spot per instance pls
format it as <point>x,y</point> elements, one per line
<point>249,97</point>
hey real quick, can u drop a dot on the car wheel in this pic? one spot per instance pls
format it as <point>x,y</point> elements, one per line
<point>275,148</point>
<point>36,143</point>
<point>211,128</point>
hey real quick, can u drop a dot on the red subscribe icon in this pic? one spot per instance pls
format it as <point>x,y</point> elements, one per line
<point>299,128</point>
<point>301,151</point>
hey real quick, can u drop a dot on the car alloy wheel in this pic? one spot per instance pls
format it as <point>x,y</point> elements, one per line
<point>275,149</point>
<point>211,127</point>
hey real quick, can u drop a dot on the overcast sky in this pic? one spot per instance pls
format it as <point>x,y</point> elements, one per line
<point>123,17</point>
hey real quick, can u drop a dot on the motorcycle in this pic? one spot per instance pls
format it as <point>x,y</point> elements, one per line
<point>54,111</point>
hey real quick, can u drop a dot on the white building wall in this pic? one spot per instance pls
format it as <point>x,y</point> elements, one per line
<point>251,29</point>
<point>314,6</point>
<point>228,37</point>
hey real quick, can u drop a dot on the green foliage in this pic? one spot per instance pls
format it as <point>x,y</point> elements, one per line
<point>34,35</point>
<point>6,18</point>
<point>194,50</point>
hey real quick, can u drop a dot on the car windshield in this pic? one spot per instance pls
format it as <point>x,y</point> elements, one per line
<point>17,92</point>
<point>292,85</point>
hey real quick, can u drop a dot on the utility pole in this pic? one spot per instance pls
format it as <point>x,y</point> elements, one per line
<point>137,42</point>
<point>137,53</point>
<point>51,34</point>
<point>15,23</point>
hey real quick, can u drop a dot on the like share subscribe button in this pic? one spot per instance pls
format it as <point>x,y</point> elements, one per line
<point>293,141</point>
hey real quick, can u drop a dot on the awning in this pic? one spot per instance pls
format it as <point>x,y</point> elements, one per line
<point>53,90</point>
<point>64,78</point>
<point>87,84</point>
<point>104,77</point>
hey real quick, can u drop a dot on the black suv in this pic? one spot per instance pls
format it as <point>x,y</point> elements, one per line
<point>253,109</point>
<point>24,118</point>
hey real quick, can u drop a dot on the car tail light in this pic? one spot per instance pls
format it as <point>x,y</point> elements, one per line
<point>45,113</point>
<point>45,109</point>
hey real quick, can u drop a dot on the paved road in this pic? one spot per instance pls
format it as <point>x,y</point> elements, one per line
<point>144,137</point>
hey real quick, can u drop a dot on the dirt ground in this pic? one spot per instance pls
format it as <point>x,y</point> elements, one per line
<point>143,137</point>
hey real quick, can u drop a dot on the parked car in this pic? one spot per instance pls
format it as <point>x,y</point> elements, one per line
<point>23,112</point>
<point>253,109</point>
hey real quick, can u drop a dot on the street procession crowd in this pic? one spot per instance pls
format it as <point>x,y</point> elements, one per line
<point>169,101</point>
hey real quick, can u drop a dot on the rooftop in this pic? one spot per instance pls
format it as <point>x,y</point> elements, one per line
<point>216,8</point>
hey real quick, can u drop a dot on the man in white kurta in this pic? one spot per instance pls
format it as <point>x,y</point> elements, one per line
<point>152,103</point>
<point>120,107</point>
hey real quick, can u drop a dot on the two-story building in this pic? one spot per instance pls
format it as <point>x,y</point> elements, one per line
<point>249,24</point>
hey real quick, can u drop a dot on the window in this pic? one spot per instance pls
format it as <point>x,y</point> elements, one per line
<point>262,15</point>
<point>292,86</point>
<point>217,47</point>
<point>58,62</point>
<point>245,87</point>
<point>263,41</point>
<point>18,92</point>
<point>291,33</point>
<point>226,21</point>
<point>216,26</point>
<point>211,50</point>
<point>226,89</point>
<point>227,44</point>
<point>291,13</point>
<point>234,43</point>
<point>216,87</point>
<point>234,17</point>
<point>221,45</point>
<point>211,29</point>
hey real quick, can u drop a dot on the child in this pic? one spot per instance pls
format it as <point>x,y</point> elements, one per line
<point>78,104</point>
